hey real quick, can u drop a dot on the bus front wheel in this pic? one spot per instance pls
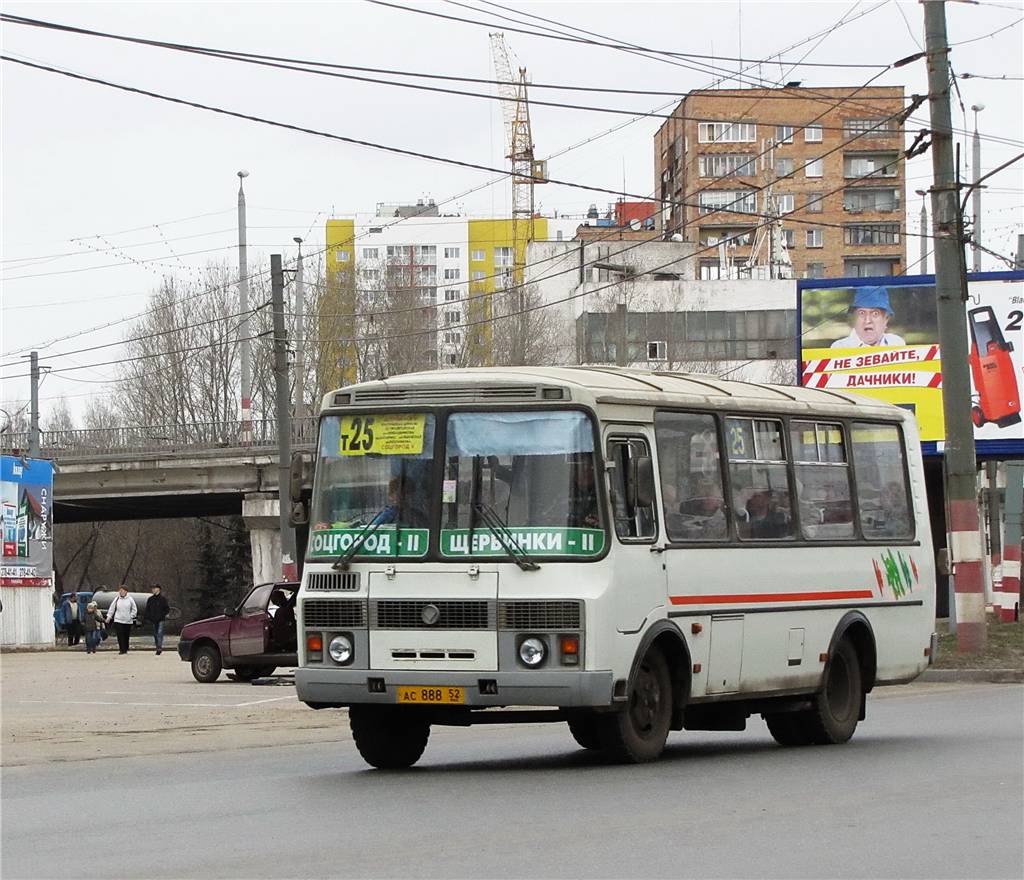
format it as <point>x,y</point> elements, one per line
<point>638,733</point>
<point>583,727</point>
<point>389,737</point>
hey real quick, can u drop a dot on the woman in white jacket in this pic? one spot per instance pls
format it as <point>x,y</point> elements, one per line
<point>122,613</point>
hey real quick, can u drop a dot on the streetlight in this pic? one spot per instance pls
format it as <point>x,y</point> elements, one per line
<point>976,193</point>
<point>300,321</point>
<point>923,193</point>
<point>243,308</point>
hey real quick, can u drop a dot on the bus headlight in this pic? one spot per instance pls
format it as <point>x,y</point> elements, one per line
<point>532,651</point>
<point>340,649</point>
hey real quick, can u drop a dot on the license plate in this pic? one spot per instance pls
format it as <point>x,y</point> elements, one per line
<point>431,696</point>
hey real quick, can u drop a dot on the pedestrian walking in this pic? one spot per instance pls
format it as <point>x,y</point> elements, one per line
<point>94,627</point>
<point>72,614</point>
<point>122,614</point>
<point>157,609</point>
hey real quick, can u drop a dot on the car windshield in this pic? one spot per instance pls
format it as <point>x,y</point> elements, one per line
<point>373,471</point>
<point>533,472</point>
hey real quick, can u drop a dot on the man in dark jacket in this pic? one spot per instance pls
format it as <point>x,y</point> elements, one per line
<point>156,612</point>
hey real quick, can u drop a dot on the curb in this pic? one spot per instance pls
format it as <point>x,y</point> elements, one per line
<point>975,676</point>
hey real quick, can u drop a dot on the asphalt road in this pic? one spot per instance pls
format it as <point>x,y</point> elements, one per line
<point>931,786</point>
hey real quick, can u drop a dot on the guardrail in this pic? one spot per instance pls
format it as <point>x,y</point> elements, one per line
<point>87,442</point>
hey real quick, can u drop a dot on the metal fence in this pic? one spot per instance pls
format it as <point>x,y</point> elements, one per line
<point>89,442</point>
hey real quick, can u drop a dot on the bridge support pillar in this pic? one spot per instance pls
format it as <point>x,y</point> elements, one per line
<point>261,514</point>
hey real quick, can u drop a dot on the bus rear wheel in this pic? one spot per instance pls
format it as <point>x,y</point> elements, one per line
<point>836,707</point>
<point>637,734</point>
<point>389,737</point>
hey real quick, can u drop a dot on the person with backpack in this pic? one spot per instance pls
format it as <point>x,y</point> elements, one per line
<point>157,609</point>
<point>122,613</point>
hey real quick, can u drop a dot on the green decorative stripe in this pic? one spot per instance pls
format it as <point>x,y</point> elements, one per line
<point>535,541</point>
<point>333,542</point>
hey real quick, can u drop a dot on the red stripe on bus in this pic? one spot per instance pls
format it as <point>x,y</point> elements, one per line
<point>755,598</point>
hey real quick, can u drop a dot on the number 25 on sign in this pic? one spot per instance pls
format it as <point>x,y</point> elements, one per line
<point>356,435</point>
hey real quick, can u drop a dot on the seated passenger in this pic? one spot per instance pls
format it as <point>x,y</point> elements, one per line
<point>768,514</point>
<point>703,512</point>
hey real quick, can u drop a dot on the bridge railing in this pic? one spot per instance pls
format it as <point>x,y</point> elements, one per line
<point>88,442</point>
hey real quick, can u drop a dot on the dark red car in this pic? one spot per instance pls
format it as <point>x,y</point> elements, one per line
<point>252,639</point>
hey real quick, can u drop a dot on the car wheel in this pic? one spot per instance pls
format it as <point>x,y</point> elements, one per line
<point>389,737</point>
<point>583,727</point>
<point>206,664</point>
<point>638,733</point>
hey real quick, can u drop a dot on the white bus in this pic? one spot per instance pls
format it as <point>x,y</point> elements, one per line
<point>636,552</point>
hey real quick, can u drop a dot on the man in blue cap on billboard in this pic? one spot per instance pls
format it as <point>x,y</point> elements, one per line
<point>871,313</point>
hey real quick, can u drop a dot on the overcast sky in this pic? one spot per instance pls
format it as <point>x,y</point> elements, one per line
<point>104,192</point>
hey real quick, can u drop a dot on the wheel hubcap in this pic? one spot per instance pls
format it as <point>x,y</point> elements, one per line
<point>203,665</point>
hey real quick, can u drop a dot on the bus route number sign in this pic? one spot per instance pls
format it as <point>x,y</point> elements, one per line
<point>396,434</point>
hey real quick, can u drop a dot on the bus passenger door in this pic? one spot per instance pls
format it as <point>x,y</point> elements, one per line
<point>639,574</point>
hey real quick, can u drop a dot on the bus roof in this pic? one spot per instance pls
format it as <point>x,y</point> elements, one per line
<point>594,385</point>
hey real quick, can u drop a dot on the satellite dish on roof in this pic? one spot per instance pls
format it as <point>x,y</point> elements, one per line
<point>634,224</point>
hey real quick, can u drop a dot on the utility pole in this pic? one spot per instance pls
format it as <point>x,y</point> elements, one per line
<point>976,193</point>
<point>33,423</point>
<point>300,333</point>
<point>289,568</point>
<point>962,518</point>
<point>243,308</point>
<point>924,239</point>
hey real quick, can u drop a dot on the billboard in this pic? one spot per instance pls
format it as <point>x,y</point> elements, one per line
<point>27,499</point>
<point>880,337</point>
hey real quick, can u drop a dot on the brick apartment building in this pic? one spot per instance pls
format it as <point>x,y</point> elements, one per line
<point>842,214</point>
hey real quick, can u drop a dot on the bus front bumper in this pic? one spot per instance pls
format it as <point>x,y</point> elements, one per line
<point>345,687</point>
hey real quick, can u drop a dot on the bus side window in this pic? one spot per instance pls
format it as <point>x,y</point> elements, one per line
<point>881,481</point>
<point>822,480</point>
<point>760,478</point>
<point>691,477</point>
<point>632,523</point>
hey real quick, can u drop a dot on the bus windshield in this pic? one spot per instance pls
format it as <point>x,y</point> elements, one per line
<point>534,472</point>
<point>373,474</point>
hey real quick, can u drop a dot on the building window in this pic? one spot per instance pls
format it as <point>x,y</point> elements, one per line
<point>740,201</point>
<point>452,338</point>
<point>452,317</point>
<point>657,351</point>
<point>710,270</point>
<point>877,127</point>
<point>451,359</point>
<point>783,167</point>
<point>872,233</point>
<point>478,276</point>
<point>812,134</point>
<point>860,199</point>
<point>343,256</point>
<point>869,268</point>
<point>371,253</point>
<point>504,256</point>
<point>784,134</point>
<point>715,235</point>
<point>815,203</point>
<point>815,270</point>
<point>477,256</point>
<point>371,274</point>
<point>871,165</point>
<point>451,295</point>
<point>726,132</point>
<point>790,235</point>
<point>376,230</point>
<point>814,168</point>
<point>451,253</point>
<point>728,165</point>
<point>451,274</point>
<point>815,238</point>
<point>426,251</point>
<point>785,202</point>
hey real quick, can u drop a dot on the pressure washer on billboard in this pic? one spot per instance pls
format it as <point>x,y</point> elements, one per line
<point>992,370</point>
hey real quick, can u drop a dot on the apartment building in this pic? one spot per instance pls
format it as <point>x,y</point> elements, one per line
<point>827,161</point>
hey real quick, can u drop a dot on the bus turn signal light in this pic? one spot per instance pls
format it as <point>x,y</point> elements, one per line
<point>570,650</point>
<point>315,644</point>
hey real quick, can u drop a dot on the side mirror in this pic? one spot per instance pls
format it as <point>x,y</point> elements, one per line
<point>229,612</point>
<point>298,475</point>
<point>298,514</point>
<point>642,481</point>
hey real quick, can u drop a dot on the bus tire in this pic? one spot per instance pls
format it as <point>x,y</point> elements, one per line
<point>788,728</point>
<point>389,737</point>
<point>836,711</point>
<point>583,727</point>
<point>638,733</point>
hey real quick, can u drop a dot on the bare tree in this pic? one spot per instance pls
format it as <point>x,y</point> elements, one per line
<point>59,417</point>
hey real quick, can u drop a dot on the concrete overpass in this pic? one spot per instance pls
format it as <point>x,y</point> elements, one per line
<point>161,471</point>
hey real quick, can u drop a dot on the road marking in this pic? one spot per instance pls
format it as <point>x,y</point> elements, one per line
<point>271,700</point>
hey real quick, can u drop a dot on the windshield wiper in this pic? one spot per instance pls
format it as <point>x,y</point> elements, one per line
<point>341,563</point>
<point>508,541</point>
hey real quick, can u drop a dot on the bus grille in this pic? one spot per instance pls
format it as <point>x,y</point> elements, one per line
<point>332,614</point>
<point>539,615</point>
<point>335,580</point>
<point>408,614</point>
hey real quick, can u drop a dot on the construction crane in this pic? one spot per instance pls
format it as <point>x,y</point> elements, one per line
<point>526,171</point>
